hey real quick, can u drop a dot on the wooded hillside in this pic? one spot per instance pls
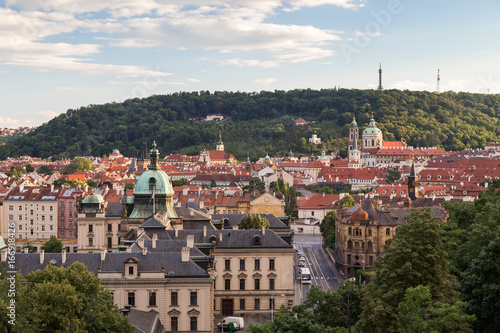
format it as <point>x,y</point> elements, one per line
<point>263,122</point>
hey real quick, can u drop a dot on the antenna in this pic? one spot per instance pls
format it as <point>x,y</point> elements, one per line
<point>380,78</point>
<point>438,79</point>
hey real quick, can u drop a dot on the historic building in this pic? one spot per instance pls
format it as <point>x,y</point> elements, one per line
<point>362,232</point>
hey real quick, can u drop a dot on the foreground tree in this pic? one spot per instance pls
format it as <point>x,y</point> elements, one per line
<point>416,256</point>
<point>392,175</point>
<point>67,300</point>
<point>53,245</point>
<point>327,228</point>
<point>253,222</point>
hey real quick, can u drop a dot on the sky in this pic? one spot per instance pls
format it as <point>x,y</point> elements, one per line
<point>57,55</point>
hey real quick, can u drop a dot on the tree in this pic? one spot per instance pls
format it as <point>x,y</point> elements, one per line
<point>78,164</point>
<point>418,313</point>
<point>53,245</point>
<point>327,229</point>
<point>30,247</point>
<point>253,222</point>
<point>92,183</point>
<point>71,299</point>
<point>16,172</point>
<point>29,168</point>
<point>44,170</point>
<point>255,184</point>
<point>213,183</point>
<point>392,175</point>
<point>416,256</point>
<point>179,182</point>
<point>289,195</point>
<point>346,202</point>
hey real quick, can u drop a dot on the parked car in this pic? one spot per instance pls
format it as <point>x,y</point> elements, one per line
<point>232,323</point>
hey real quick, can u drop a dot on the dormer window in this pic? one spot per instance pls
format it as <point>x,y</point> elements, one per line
<point>256,240</point>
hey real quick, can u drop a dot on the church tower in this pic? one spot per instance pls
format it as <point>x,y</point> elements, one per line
<point>413,183</point>
<point>353,133</point>
<point>220,144</point>
<point>354,153</point>
<point>372,136</point>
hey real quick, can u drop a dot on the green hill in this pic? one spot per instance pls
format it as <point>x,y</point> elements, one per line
<point>263,122</point>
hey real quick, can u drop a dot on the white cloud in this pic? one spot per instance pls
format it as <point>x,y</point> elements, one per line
<point>266,81</point>
<point>193,80</point>
<point>10,122</point>
<point>148,83</point>
<point>248,63</point>
<point>48,114</point>
<point>349,4</point>
<point>412,85</point>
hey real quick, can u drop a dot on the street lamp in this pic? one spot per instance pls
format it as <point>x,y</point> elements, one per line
<point>272,307</point>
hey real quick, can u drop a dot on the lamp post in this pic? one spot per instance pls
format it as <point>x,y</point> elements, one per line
<point>272,307</point>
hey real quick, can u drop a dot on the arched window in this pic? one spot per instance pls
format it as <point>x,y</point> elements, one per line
<point>373,143</point>
<point>370,246</point>
<point>349,244</point>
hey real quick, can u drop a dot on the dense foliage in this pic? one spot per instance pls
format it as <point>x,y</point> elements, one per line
<point>253,222</point>
<point>58,299</point>
<point>473,238</point>
<point>53,245</point>
<point>263,122</point>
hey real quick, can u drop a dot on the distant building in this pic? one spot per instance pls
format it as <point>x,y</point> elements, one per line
<point>300,122</point>
<point>314,139</point>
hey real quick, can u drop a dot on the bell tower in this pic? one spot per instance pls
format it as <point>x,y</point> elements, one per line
<point>353,133</point>
<point>413,183</point>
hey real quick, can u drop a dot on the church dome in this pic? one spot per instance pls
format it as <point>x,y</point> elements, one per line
<point>360,215</point>
<point>162,183</point>
<point>93,199</point>
<point>354,123</point>
<point>372,130</point>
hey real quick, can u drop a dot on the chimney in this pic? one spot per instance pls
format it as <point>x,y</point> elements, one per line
<point>26,250</point>
<point>153,241</point>
<point>103,253</point>
<point>52,188</point>
<point>220,236</point>
<point>42,255</point>
<point>323,194</point>
<point>204,231</point>
<point>185,191</point>
<point>190,241</point>
<point>144,251</point>
<point>140,242</point>
<point>4,253</point>
<point>185,254</point>
<point>202,205</point>
<point>263,230</point>
<point>176,232</point>
<point>235,227</point>
<point>63,256</point>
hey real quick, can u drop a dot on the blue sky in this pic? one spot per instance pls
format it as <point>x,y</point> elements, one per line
<point>57,55</point>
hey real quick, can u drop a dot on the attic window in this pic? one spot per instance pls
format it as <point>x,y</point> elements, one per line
<point>213,238</point>
<point>256,240</point>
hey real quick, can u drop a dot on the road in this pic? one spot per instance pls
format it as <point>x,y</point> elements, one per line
<point>323,271</point>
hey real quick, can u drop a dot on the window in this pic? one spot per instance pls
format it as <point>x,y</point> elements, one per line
<point>257,284</point>
<point>62,212</point>
<point>193,323</point>
<point>20,217</point>
<point>70,223</point>
<point>370,246</point>
<point>70,213</point>
<point>174,298</point>
<point>91,228</point>
<point>51,208</point>
<point>31,232</point>
<point>271,303</point>
<point>11,217</point>
<point>71,234</point>
<point>20,207</point>
<point>257,304</point>
<point>271,284</point>
<point>194,298</point>
<point>43,208</point>
<point>31,212</point>
<point>369,232</point>
<point>227,284</point>
<point>31,222</point>
<point>51,227</point>
<point>131,299</point>
<point>51,218</point>
<point>152,298</point>
<point>227,264</point>
<point>271,264</point>
<point>70,204</point>
<point>242,304</point>
<point>387,232</point>
<point>174,324</point>
<point>43,217</point>
<point>110,227</point>
<point>43,228</point>
<point>91,241</point>
<point>349,231</point>
<point>242,264</point>
<point>130,270</point>
<point>356,245</point>
<point>242,284</point>
<point>110,242</point>
<point>11,207</point>
<point>349,244</point>
<point>312,213</point>
<point>370,260</point>
<point>20,227</point>
<point>62,203</point>
<point>348,258</point>
<point>62,233</point>
<point>257,264</point>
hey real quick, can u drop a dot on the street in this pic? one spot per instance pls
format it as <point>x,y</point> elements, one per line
<point>323,271</point>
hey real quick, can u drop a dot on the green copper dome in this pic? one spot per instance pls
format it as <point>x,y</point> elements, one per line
<point>372,130</point>
<point>94,198</point>
<point>162,183</point>
<point>354,123</point>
